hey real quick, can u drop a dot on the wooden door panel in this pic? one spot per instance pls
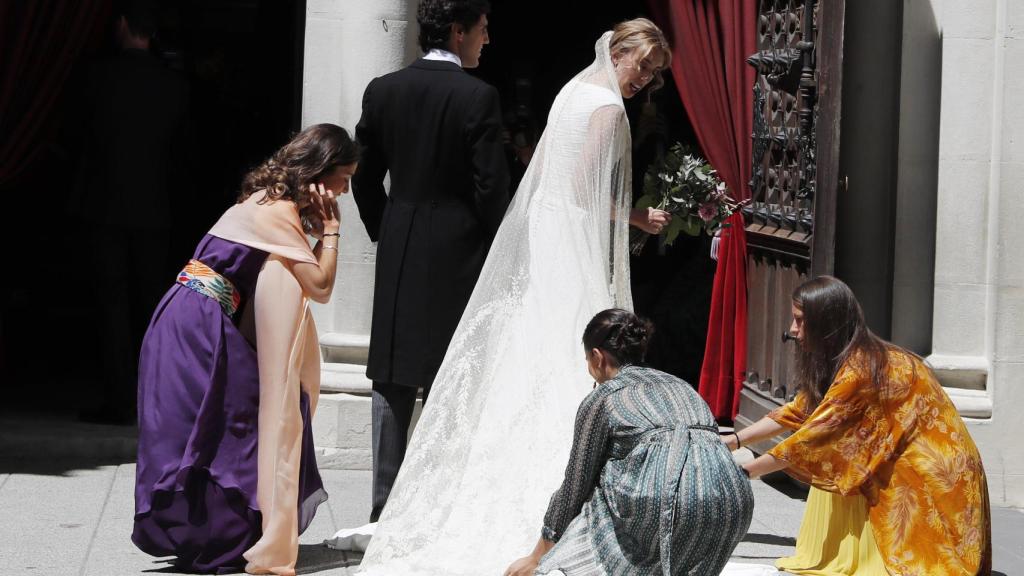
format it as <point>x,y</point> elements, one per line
<point>829,83</point>
<point>790,222</point>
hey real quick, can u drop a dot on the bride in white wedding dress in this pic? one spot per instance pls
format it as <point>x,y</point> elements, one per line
<point>492,443</point>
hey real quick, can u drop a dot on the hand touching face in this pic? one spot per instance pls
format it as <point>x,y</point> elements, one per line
<point>323,196</point>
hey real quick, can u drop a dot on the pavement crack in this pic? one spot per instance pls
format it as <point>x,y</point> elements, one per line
<point>96,529</point>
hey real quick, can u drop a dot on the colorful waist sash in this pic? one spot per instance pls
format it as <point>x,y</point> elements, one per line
<point>204,280</point>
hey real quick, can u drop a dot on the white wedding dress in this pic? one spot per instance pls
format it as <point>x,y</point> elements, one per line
<point>492,443</point>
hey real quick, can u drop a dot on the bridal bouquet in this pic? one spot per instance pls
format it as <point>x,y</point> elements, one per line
<point>687,187</point>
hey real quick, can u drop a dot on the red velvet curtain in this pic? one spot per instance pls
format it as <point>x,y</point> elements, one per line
<point>711,40</point>
<point>40,40</point>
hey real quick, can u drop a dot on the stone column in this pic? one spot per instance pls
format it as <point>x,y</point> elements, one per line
<point>978,332</point>
<point>917,172</point>
<point>347,44</point>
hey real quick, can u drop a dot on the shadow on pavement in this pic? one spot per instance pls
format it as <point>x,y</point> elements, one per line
<point>317,558</point>
<point>313,558</point>
<point>49,466</point>
<point>785,484</point>
<point>170,568</point>
<point>55,444</point>
<point>772,539</point>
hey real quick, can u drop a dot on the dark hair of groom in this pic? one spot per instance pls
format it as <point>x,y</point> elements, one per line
<point>436,18</point>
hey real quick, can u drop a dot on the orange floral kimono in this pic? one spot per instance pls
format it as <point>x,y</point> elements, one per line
<point>908,452</point>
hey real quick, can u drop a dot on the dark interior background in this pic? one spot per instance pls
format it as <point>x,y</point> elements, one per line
<point>536,47</point>
<point>243,63</point>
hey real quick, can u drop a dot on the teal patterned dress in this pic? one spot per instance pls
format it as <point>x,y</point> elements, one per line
<point>649,488</point>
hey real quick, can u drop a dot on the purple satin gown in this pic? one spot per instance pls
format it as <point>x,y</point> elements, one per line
<point>195,490</point>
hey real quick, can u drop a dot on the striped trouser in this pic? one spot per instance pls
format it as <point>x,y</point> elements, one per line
<point>392,408</point>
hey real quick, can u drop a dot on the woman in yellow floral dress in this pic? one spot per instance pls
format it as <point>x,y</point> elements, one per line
<point>897,484</point>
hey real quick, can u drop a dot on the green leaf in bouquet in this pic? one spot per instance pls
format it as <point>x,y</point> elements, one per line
<point>673,229</point>
<point>691,225</point>
<point>647,201</point>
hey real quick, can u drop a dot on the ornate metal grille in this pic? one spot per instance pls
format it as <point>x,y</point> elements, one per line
<point>780,216</point>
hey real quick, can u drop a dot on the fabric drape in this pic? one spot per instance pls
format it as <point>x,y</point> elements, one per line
<point>289,364</point>
<point>711,40</point>
<point>39,43</point>
<point>835,538</point>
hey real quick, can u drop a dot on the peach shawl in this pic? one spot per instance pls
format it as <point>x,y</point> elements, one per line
<point>289,363</point>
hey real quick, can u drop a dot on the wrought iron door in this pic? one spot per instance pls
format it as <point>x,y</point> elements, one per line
<point>790,223</point>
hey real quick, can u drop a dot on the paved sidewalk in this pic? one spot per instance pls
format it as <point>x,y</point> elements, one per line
<point>68,514</point>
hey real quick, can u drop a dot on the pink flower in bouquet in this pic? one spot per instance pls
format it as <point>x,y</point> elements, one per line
<point>708,211</point>
<point>720,191</point>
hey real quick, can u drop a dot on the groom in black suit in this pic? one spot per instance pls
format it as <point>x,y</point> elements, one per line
<point>438,131</point>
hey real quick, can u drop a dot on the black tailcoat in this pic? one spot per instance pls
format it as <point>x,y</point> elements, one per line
<point>437,130</point>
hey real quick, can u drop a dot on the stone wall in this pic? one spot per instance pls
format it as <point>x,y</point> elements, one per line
<point>917,171</point>
<point>978,331</point>
<point>347,44</point>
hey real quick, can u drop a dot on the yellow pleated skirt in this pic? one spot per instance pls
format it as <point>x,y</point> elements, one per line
<point>835,539</point>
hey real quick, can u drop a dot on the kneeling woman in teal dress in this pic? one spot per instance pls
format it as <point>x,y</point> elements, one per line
<point>649,488</point>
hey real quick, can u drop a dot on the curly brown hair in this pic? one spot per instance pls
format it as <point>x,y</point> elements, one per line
<point>308,157</point>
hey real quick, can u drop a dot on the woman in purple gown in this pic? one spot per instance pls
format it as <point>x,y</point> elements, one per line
<point>229,372</point>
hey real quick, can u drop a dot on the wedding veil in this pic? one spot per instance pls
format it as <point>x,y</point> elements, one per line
<point>493,440</point>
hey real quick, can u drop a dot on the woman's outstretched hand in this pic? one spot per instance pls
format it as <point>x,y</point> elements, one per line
<point>525,566</point>
<point>327,211</point>
<point>730,440</point>
<point>650,220</point>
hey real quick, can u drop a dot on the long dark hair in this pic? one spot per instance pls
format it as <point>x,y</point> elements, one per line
<point>834,332</point>
<point>308,157</point>
<point>621,334</point>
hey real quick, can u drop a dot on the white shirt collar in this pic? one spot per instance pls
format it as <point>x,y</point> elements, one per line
<point>438,54</point>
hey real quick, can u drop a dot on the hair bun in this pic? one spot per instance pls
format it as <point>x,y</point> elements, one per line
<point>621,333</point>
<point>637,331</point>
